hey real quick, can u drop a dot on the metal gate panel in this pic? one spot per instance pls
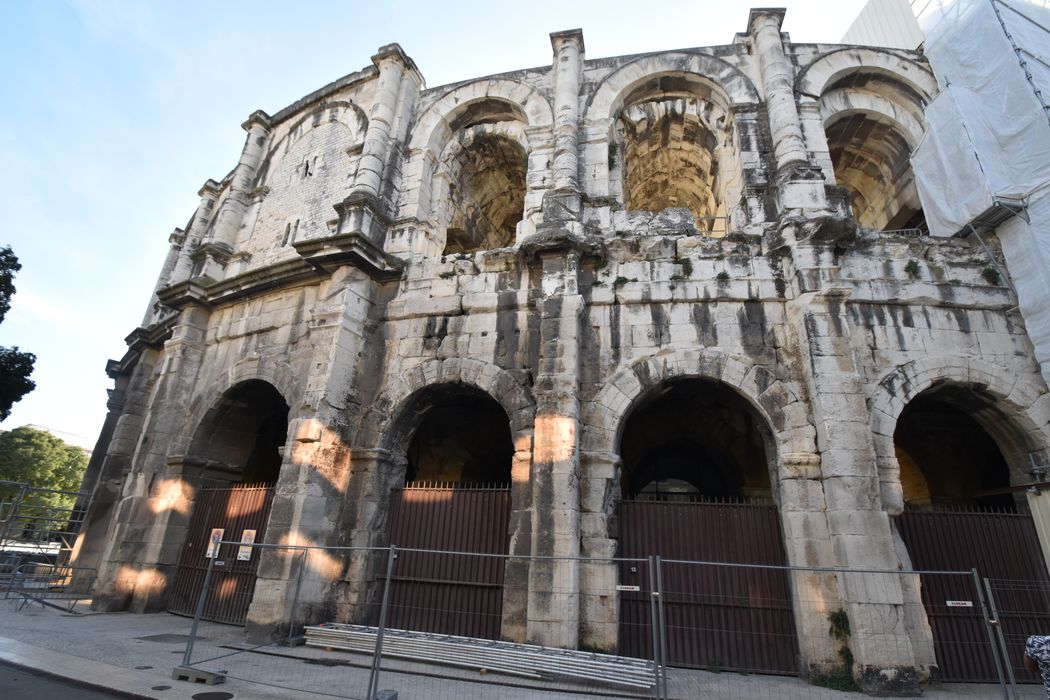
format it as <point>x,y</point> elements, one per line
<point>234,509</point>
<point>441,591</point>
<point>718,616</point>
<point>999,546</point>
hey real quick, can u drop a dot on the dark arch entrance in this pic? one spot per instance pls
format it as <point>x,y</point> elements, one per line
<point>232,463</point>
<point>961,513</point>
<point>456,444</point>
<point>696,487</point>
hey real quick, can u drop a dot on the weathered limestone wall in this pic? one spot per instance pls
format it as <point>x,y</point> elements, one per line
<point>317,266</point>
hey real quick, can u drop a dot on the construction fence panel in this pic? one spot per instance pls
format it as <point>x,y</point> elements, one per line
<point>1022,609</point>
<point>573,627</point>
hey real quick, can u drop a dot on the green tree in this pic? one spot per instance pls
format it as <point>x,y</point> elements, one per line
<point>40,459</point>
<point>15,365</point>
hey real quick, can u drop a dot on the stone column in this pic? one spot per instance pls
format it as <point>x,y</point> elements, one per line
<point>599,601</point>
<point>231,215</point>
<point>859,528</point>
<point>176,243</point>
<point>391,62</point>
<point>778,85</point>
<point>157,497</point>
<point>800,185</point>
<point>325,495</point>
<point>366,210</point>
<point>111,455</point>
<point>195,235</point>
<point>568,65</point>
<point>553,608</point>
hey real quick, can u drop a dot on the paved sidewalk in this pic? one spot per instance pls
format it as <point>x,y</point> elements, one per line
<point>135,654</point>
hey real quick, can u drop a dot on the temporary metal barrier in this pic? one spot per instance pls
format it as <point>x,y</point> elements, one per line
<point>1021,609</point>
<point>237,515</point>
<point>36,520</point>
<point>343,658</point>
<point>42,583</point>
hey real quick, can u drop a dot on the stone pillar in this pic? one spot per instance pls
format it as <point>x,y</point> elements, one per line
<point>778,86</point>
<point>568,66</point>
<point>800,185</point>
<point>176,243</point>
<point>599,601</point>
<point>553,609</point>
<point>105,472</point>
<point>198,228</point>
<point>228,221</point>
<point>514,623</point>
<point>365,211</point>
<point>325,495</point>
<point>859,529</point>
<point>157,497</point>
<point>391,62</point>
<point>807,543</point>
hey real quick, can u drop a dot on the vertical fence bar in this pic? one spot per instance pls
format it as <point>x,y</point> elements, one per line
<point>1002,638</point>
<point>988,624</point>
<point>653,595</point>
<point>295,598</point>
<point>662,670</point>
<point>373,679</point>
<point>200,611</point>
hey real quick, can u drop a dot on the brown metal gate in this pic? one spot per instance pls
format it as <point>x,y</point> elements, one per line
<point>235,510</point>
<point>717,616</point>
<point>441,591</point>
<point>999,546</point>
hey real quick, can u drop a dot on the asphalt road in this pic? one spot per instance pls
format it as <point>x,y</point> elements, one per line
<point>19,684</point>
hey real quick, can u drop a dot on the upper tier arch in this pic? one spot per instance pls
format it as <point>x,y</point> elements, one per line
<point>616,89</point>
<point>813,79</point>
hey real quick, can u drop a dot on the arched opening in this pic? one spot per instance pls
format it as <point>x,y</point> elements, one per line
<point>241,438</point>
<point>946,457</point>
<point>695,440</point>
<point>457,449</point>
<point>463,437</point>
<point>232,463</point>
<point>870,148</point>
<point>479,188</point>
<point>958,453</point>
<point>695,480</point>
<point>670,157</point>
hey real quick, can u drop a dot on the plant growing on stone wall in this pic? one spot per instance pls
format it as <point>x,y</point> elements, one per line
<point>722,278</point>
<point>839,677</point>
<point>912,269</point>
<point>619,282</point>
<point>991,276</point>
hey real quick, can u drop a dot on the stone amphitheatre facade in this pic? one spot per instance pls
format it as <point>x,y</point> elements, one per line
<point>695,276</point>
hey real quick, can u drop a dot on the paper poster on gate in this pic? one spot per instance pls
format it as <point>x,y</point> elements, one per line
<point>213,542</point>
<point>244,552</point>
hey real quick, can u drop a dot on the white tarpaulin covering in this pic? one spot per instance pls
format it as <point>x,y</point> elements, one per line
<point>988,135</point>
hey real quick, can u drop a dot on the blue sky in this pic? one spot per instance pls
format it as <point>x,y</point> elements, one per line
<point>116,112</point>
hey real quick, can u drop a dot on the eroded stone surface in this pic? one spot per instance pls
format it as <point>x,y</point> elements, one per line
<point>379,240</point>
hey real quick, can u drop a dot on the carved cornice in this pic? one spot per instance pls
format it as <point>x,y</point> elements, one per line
<point>350,249</point>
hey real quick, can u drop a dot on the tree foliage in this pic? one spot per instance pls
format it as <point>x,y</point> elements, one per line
<point>38,458</point>
<point>15,365</point>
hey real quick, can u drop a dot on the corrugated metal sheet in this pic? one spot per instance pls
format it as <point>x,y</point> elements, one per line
<point>441,591</point>
<point>998,545</point>
<point>232,584</point>
<point>717,615</point>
